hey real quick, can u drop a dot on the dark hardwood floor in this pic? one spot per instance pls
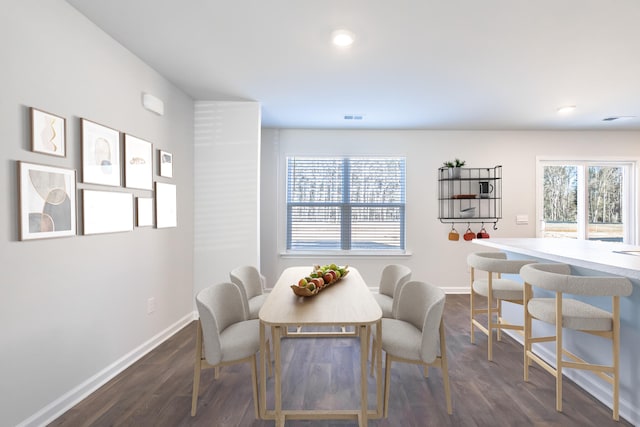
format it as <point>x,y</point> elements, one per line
<point>324,373</point>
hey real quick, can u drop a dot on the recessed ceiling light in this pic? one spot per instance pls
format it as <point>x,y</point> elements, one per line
<point>342,38</point>
<point>566,109</point>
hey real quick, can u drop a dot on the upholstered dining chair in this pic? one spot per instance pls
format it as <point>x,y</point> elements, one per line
<point>251,283</point>
<point>573,314</point>
<point>224,335</point>
<point>416,334</point>
<point>392,277</point>
<point>493,287</point>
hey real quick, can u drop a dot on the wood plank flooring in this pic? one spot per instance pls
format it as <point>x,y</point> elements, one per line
<point>324,373</point>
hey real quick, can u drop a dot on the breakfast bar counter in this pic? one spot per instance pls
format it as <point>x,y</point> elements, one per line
<point>588,258</point>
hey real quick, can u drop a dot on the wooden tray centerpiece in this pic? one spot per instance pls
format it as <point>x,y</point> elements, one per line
<point>320,278</point>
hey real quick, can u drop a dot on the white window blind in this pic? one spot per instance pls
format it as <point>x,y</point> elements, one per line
<point>353,203</point>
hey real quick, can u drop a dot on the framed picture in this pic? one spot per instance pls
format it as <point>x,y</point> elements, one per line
<point>106,211</point>
<point>144,211</point>
<point>138,160</point>
<point>47,201</point>
<point>166,215</point>
<point>100,154</point>
<point>48,133</point>
<point>166,164</point>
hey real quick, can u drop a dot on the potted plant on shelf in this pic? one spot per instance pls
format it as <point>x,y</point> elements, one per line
<point>454,168</point>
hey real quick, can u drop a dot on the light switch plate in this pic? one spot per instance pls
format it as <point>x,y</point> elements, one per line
<point>522,219</point>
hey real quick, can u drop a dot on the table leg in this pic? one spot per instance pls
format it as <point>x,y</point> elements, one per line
<point>364,352</point>
<point>276,334</point>
<point>263,375</point>
<point>378,350</point>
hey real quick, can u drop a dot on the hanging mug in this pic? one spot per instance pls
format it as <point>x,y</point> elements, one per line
<point>454,235</point>
<point>469,235</point>
<point>482,234</point>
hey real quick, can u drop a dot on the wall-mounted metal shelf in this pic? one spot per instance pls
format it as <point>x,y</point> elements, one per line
<point>470,195</point>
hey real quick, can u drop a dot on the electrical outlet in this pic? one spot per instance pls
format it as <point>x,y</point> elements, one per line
<point>151,305</point>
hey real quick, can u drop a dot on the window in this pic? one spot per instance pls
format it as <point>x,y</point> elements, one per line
<point>587,200</point>
<point>353,203</point>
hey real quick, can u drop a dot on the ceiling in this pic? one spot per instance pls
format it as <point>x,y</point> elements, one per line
<point>415,64</point>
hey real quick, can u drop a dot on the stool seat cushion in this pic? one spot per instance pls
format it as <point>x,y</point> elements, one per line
<point>576,314</point>
<point>504,289</point>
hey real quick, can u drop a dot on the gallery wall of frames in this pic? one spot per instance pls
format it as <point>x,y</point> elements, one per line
<point>118,189</point>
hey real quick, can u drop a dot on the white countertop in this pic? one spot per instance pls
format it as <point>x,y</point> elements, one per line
<point>591,254</point>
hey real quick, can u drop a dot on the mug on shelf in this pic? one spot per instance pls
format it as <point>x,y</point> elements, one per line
<point>486,188</point>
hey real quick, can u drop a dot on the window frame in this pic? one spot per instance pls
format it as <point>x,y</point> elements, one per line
<point>630,199</point>
<point>284,206</point>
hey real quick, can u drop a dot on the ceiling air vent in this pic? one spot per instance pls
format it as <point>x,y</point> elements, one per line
<point>353,116</point>
<point>612,118</point>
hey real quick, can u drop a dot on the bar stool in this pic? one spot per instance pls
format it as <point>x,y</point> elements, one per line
<point>573,314</point>
<point>495,264</point>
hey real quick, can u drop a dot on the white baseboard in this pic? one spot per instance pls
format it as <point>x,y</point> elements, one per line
<point>65,402</point>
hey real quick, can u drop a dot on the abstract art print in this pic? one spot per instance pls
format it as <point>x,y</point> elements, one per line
<point>138,159</point>
<point>47,201</point>
<point>166,164</point>
<point>106,211</point>
<point>166,214</point>
<point>100,154</point>
<point>48,133</point>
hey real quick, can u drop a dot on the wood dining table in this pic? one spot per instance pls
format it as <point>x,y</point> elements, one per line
<point>345,304</point>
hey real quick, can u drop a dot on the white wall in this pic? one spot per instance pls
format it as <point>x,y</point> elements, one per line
<point>433,258</point>
<point>227,197</point>
<point>73,310</point>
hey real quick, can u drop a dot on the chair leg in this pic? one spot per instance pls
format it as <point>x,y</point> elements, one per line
<point>373,354</point>
<point>471,308</point>
<point>196,370</point>
<point>268,358</point>
<point>216,373</point>
<point>527,330</point>
<point>489,329</point>
<point>387,381</point>
<point>616,356</point>
<point>254,381</point>
<point>498,330</point>
<point>559,355</point>
<point>445,368</point>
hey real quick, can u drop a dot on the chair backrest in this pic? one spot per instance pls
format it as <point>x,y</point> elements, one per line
<point>496,262</point>
<point>392,277</point>
<point>557,277</point>
<point>219,306</point>
<point>249,278</point>
<point>422,305</point>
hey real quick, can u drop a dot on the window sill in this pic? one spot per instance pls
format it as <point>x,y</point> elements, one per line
<point>347,254</point>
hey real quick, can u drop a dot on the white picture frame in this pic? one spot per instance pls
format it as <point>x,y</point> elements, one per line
<point>100,154</point>
<point>165,162</point>
<point>144,211</point>
<point>47,201</point>
<point>48,133</point>
<point>138,163</point>
<point>106,212</point>
<point>166,212</point>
